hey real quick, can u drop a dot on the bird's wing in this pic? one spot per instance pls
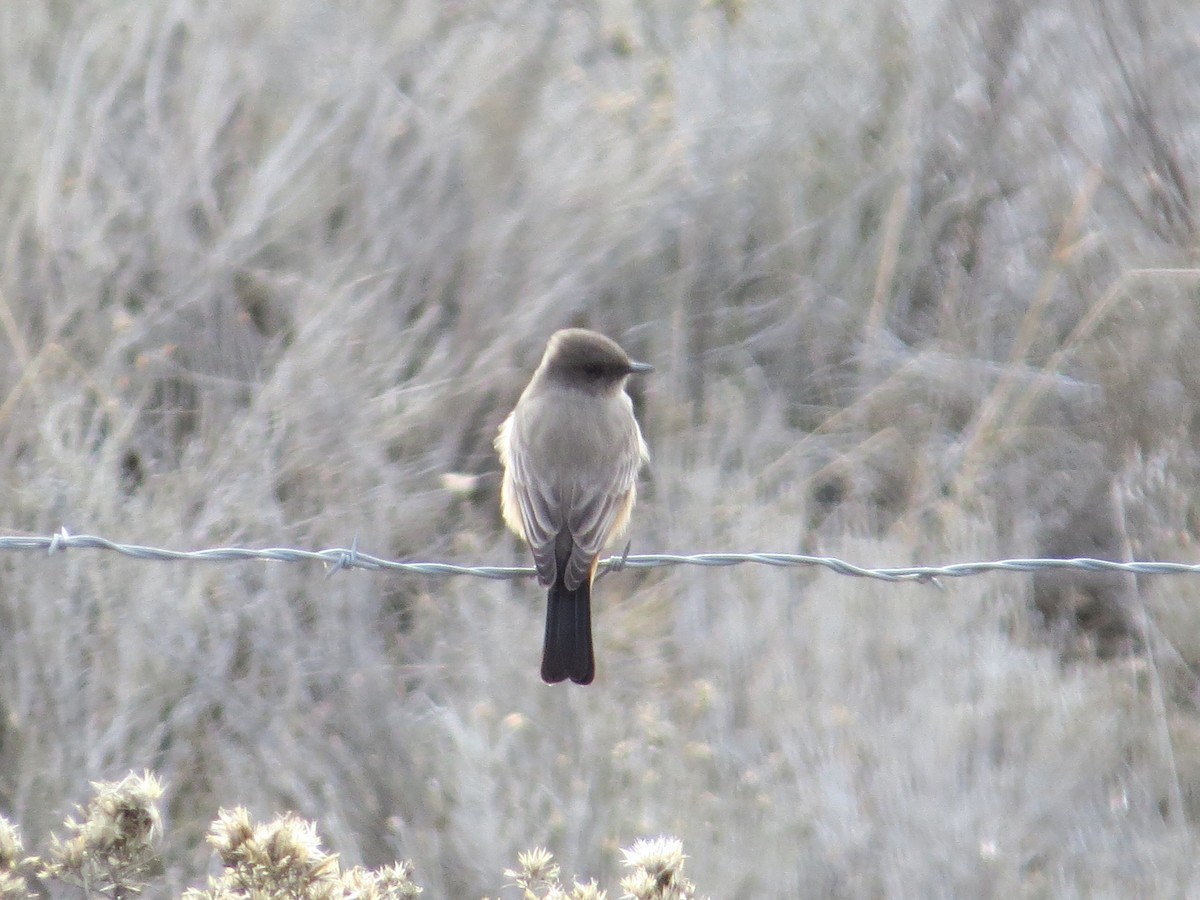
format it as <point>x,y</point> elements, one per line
<point>533,503</point>
<point>599,513</point>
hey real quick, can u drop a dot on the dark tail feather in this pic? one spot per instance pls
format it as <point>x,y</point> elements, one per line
<point>567,651</point>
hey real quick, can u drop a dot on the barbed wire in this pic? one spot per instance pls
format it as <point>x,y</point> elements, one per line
<point>336,559</point>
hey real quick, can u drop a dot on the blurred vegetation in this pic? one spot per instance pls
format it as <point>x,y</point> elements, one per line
<point>920,284</point>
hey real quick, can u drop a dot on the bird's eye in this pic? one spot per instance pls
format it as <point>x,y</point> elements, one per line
<point>594,370</point>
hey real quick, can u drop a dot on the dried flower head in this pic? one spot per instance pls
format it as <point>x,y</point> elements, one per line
<point>11,848</point>
<point>538,876</point>
<point>230,833</point>
<point>284,859</point>
<point>389,883</point>
<point>13,885</point>
<point>113,845</point>
<point>588,891</point>
<point>657,865</point>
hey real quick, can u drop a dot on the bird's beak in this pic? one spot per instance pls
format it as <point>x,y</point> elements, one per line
<point>640,368</point>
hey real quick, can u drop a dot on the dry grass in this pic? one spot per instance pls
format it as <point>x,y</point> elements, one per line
<point>920,285</point>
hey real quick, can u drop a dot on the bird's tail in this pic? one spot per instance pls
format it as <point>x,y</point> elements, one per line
<point>567,651</point>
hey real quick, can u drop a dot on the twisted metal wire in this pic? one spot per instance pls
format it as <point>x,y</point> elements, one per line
<point>336,559</point>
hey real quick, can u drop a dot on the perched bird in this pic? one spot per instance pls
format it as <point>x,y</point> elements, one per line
<point>571,451</point>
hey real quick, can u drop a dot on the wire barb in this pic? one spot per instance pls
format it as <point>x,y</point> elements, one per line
<point>613,564</point>
<point>345,560</point>
<point>337,559</point>
<point>57,540</point>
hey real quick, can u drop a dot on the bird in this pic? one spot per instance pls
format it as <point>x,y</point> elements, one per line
<point>571,450</point>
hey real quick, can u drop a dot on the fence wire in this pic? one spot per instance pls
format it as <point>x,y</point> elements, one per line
<point>336,559</point>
